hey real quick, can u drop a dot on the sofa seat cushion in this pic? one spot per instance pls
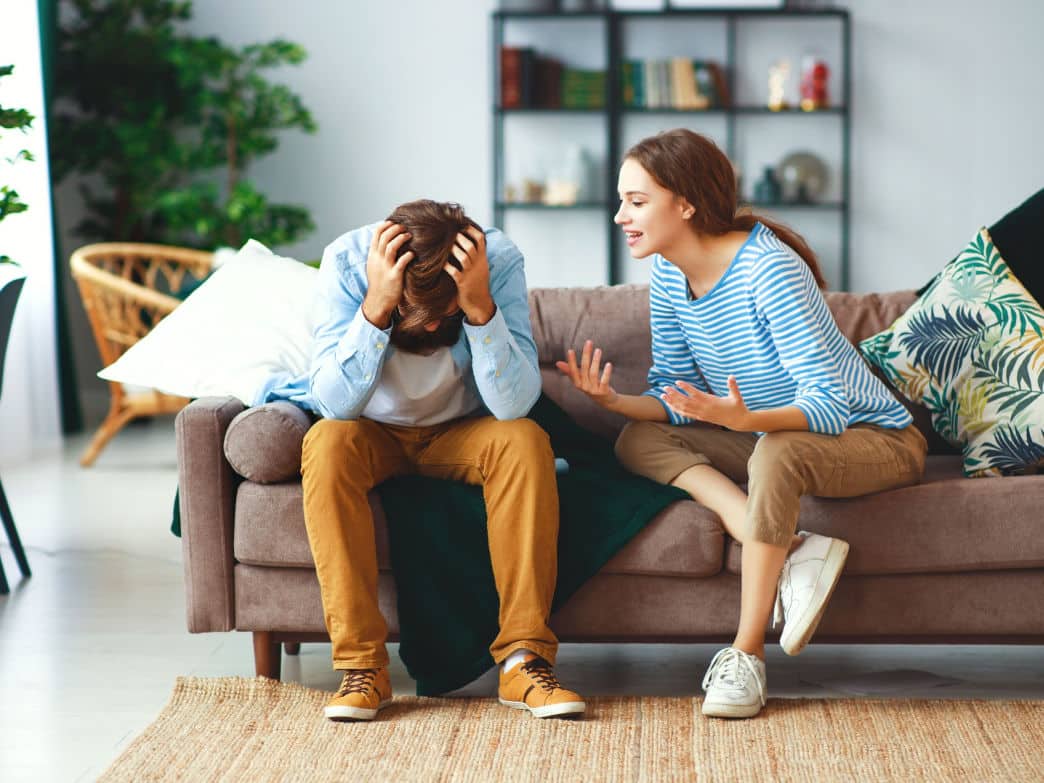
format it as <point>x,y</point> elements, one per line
<point>685,539</point>
<point>263,443</point>
<point>947,523</point>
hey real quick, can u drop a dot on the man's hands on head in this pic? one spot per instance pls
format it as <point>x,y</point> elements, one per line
<point>472,278</point>
<point>384,273</point>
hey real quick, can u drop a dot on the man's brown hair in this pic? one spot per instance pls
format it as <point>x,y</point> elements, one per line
<point>428,291</point>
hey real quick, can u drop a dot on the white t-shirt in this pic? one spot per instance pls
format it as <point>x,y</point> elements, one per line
<point>420,390</point>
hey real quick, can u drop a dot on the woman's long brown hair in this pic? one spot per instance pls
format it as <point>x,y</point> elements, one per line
<point>691,166</point>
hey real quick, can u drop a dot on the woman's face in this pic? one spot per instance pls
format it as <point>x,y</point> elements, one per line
<point>652,217</point>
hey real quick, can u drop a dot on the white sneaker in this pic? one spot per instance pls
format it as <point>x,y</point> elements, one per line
<point>735,684</point>
<point>809,576</point>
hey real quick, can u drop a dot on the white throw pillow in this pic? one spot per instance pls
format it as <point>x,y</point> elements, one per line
<point>252,317</point>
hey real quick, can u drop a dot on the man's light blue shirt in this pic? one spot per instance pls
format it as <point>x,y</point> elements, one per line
<point>498,360</point>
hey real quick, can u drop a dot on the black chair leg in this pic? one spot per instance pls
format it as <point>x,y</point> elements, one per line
<point>4,589</point>
<point>12,536</point>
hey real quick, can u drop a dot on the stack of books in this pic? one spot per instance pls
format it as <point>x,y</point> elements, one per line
<point>583,89</point>
<point>677,83</point>
<point>530,80</point>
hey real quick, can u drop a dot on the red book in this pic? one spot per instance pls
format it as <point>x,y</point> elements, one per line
<point>510,77</point>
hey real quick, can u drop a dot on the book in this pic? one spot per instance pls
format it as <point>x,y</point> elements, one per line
<point>722,84</point>
<point>510,77</point>
<point>705,86</point>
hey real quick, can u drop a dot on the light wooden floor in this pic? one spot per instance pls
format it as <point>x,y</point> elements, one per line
<point>90,646</point>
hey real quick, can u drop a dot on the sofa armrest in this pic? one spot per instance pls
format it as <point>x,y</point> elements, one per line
<point>207,485</point>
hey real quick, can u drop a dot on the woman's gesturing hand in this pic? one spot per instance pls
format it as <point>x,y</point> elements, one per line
<point>730,411</point>
<point>588,377</point>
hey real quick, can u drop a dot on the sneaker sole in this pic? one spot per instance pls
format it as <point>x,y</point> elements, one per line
<point>715,710</point>
<point>562,710</point>
<point>355,713</point>
<point>795,641</point>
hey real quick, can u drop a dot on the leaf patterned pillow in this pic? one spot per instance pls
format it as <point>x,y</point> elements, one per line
<point>971,350</point>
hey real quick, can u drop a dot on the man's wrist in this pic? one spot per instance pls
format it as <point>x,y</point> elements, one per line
<point>379,317</point>
<point>481,315</point>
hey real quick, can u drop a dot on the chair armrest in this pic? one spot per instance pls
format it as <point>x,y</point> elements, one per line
<point>207,485</point>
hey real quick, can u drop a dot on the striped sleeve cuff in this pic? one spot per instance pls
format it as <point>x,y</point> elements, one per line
<point>822,418</point>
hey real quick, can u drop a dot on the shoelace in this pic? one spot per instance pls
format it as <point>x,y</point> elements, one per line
<point>730,668</point>
<point>357,681</point>
<point>542,673</point>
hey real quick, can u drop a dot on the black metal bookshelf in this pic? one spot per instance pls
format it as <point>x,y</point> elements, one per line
<point>614,111</point>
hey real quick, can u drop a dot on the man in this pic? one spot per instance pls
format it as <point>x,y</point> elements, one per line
<point>424,361</point>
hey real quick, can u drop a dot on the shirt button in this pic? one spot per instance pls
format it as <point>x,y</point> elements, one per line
<point>497,373</point>
<point>380,345</point>
<point>366,377</point>
<point>487,341</point>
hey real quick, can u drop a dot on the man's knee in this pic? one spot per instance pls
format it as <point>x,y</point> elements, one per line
<point>524,436</point>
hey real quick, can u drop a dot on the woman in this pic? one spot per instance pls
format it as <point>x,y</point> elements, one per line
<point>752,382</point>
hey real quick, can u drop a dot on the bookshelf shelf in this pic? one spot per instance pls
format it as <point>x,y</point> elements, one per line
<point>547,110</point>
<point>611,34</point>
<point>823,205</point>
<point>550,207</point>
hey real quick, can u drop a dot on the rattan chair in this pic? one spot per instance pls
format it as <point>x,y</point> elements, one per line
<point>127,289</point>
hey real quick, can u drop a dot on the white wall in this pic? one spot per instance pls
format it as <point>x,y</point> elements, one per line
<point>947,117</point>
<point>947,114</point>
<point>400,92</point>
<point>948,122</point>
<point>29,420</point>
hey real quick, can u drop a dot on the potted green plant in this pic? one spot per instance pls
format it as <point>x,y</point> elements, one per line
<point>168,123</point>
<point>241,113</point>
<point>11,283</point>
<point>20,120</point>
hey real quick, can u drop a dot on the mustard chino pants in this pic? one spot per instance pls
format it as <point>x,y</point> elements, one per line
<point>513,463</point>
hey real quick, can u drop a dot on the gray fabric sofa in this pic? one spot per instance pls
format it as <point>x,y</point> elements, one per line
<point>949,560</point>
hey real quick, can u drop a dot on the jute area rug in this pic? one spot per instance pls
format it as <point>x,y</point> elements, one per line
<point>236,729</point>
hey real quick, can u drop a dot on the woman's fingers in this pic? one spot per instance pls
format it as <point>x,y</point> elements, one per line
<point>607,373</point>
<point>585,358</point>
<point>595,369</point>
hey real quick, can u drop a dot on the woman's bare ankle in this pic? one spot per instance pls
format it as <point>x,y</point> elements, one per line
<point>757,650</point>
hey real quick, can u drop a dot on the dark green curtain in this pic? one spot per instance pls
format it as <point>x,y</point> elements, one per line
<point>72,417</point>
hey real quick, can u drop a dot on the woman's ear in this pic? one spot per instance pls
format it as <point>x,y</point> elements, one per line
<point>687,209</point>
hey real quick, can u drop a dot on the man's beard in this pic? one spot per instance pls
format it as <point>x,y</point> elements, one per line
<point>424,342</point>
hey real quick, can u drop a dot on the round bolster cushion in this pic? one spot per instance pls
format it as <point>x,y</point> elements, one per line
<point>263,443</point>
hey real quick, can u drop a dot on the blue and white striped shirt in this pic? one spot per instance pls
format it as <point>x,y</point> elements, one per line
<point>766,322</point>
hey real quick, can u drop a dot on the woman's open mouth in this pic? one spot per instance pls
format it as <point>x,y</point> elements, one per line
<point>632,237</point>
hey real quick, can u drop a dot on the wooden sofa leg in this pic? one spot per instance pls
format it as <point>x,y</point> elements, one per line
<point>293,648</point>
<point>267,655</point>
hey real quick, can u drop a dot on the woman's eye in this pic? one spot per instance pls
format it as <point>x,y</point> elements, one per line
<point>637,203</point>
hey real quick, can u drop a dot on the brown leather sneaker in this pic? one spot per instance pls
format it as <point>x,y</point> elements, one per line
<point>532,685</point>
<point>362,693</point>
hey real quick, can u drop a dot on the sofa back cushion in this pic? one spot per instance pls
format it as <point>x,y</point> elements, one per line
<point>616,318</point>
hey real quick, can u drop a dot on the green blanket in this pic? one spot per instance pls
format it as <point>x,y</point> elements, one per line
<point>447,600</point>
